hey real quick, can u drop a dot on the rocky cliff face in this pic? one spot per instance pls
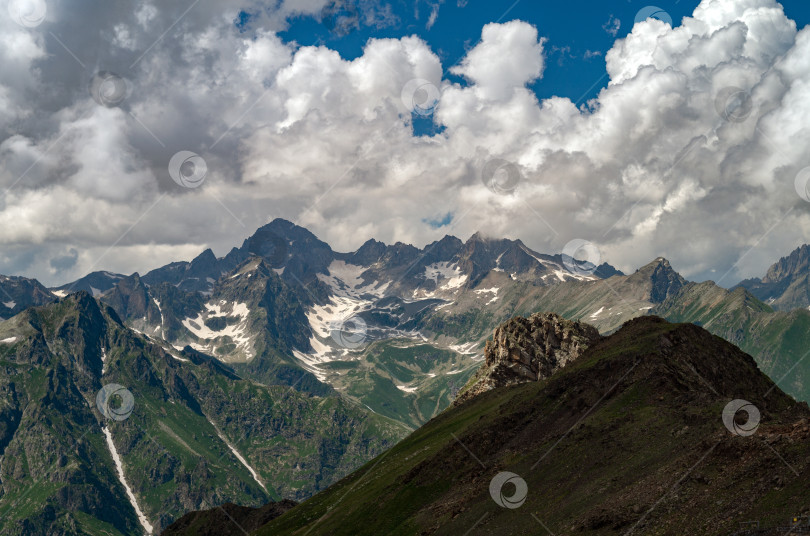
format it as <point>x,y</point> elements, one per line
<point>797,263</point>
<point>664,280</point>
<point>19,293</point>
<point>786,286</point>
<point>529,349</point>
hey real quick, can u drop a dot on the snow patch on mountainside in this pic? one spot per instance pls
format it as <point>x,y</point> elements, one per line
<point>464,349</point>
<point>9,340</point>
<point>310,362</point>
<point>346,280</point>
<point>493,291</point>
<point>10,304</point>
<point>323,320</point>
<point>558,271</point>
<point>120,469</point>
<point>163,332</point>
<point>239,457</point>
<point>444,270</point>
<point>447,277</point>
<point>235,328</point>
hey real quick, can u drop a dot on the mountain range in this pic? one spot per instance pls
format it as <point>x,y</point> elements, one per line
<point>274,371</point>
<point>642,432</point>
<point>185,430</point>
<point>786,285</point>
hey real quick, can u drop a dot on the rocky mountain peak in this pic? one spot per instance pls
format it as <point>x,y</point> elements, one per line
<point>288,230</point>
<point>605,271</point>
<point>369,253</point>
<point>129,298</point>
<point>205,259</point>
<point>443,250</point>
<point>529,349</point>
<point>477,237</point>
<point>786,285</point>
<point>664,279</point>
<point>659,263</point>
<point>798,262</point>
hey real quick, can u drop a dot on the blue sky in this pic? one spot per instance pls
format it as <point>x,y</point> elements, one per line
<point>575,30</point>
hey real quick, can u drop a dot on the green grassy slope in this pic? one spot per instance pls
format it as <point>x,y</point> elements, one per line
<point>779,340</point>
<point>628,437</point>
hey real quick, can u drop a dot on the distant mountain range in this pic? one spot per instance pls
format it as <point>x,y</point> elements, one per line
<point>786,285</point>
<point>363,347</point>
<point>384,325</point>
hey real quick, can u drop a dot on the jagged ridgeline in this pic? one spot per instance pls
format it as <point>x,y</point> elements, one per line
<point>194,434</point>
<point>271,309</point>
<point>275,310</point>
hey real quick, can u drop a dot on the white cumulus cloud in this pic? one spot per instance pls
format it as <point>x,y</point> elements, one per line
<point>690,151</point>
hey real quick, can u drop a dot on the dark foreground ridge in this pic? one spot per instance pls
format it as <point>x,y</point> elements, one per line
<point>627,439</point>
<point>228,518</point>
